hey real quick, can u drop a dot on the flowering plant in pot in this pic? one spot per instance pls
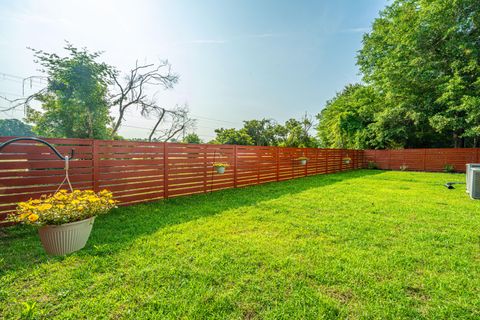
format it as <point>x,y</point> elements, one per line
<point>302,160</point>
<point>65,219</point>
<point>220,167</point>
<point>347,160</point>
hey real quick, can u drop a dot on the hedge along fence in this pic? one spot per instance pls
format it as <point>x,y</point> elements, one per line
<point>146,171</point>
<point>423,159</point>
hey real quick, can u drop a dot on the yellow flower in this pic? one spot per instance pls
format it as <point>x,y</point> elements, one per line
<point>111,201</point>
<point>24,215</point>
<point>80,208</point>
<point>33,217</point>
<point>44,207</point>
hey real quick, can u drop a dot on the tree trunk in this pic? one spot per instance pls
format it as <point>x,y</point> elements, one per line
<point>160,118</point>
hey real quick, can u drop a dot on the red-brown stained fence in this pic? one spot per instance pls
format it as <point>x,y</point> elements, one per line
<point>146,171</point>
<point>423,159</point>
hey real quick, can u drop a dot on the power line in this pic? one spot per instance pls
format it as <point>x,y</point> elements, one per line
<point>212,119</point>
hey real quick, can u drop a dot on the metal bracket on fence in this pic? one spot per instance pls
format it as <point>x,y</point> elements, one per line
<point>69,157</point>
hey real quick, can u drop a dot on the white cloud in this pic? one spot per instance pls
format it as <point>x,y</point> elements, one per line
<point>355,30</point>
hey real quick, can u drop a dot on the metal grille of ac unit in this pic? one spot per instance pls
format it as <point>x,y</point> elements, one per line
<point>470,166</point>
<point>475,183</point>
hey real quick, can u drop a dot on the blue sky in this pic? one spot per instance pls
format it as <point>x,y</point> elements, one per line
<point>237,60</point>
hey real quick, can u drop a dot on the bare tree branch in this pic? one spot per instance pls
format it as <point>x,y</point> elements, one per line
<point>131,92</point>
<point>175,121</point>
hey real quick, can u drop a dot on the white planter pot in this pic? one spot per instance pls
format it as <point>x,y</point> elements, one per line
<point>65,238</point>
<point>346,161</point>
<point>220,169</point>
<point>303,162</point>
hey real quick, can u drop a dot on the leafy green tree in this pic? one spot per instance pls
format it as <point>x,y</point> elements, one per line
<point>346,121</point>
<point>14,127</point>
<point>74,104</point>
<point>424,56</point>
<point>263,132</point>
<point>192,138</point>
<point>233,136</point>
<point>298,133</point>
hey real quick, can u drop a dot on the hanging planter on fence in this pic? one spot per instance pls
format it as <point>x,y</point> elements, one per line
<point>347,160</point>
<point>220,167</point>
<point>302,161</point>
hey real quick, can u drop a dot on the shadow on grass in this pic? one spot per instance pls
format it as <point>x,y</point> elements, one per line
<point>21,248</point>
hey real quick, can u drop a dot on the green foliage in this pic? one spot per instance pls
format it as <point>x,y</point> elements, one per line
<point>263,132</point>
<point>297,133</point>
<point>372,165</point>
<point>266,132</point>
<point>449,168</point>
<point>14,127</point>
<point>233,136</point>
<point>355,245</point>
<point>346,121</point>
<point>421,68</point>
<point>74,105</point>
<point>192,138</point>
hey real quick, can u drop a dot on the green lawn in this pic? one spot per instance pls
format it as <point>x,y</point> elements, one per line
<point>360,244</point>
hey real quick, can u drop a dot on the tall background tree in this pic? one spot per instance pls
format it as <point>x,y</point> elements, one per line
<point>74,104</point>
<point>14,127</point>
<point>421,59</point>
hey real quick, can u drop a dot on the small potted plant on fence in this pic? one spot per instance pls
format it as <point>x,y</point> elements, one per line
<point>65,218</point>
<point>220,167</point>
<point>347,160</point>
<point>302,160</point>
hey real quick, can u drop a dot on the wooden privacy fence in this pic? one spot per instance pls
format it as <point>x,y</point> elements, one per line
<point>146,171</point>
<point>423,159</point>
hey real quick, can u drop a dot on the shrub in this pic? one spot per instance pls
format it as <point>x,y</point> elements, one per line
<point>372,165</point>
<point>63,207</point>
<point>449,168</point>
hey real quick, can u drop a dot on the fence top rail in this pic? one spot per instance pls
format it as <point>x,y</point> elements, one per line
<point>153,143</point>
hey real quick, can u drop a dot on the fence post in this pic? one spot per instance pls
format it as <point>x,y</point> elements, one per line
<point>205,172</point>
<point>235,154</point>
<point>277,160</point>
<point>341,160</point>
<point>424,159</point>
<point>165,170</point>
<point>306,164</point>
<point>326,161</point>
<point>95,164</point>
<point>258,165</point>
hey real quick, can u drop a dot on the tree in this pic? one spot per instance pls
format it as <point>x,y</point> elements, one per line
<point>178,121</point>
<point>262,132</point>
<point>346,121</point>
<point>233,136</point>
<point>298,133</point>
<point>192,138</point>
<point>74,103</point>
<point>424,57</point>
<point>14,127</point>
<point>81,92</point>
<point>133,91</point>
